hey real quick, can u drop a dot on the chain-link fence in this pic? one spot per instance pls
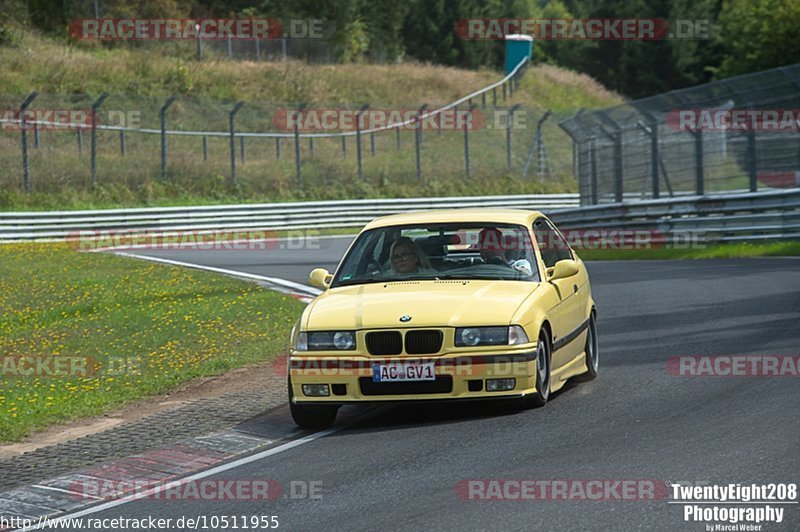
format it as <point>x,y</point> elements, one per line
<point>482,142</point>
<point>740,133</point>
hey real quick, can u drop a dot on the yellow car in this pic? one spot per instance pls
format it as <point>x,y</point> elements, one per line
<point>444,305</point>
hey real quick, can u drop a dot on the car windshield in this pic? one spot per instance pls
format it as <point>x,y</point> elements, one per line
<point>491,251</point>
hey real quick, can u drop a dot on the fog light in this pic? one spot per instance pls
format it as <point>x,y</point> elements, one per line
<point>500,385</point>
<point>316,390</point>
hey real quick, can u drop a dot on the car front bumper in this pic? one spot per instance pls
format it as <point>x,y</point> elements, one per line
<point>458,377</point>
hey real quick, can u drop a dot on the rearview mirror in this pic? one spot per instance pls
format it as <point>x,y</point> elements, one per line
<point>564,268</point>
<point>320,278</point>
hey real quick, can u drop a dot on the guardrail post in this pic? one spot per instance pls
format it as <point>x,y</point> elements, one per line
<point>418,141</point>
<point>232,135</point>
<point>311,146</point>
<point>509,120</point>
<point>230,48</point>
<point>483,100</point>
<point>205,148</point>
<point>358,140</point>
<point>26,175</point>
<point>397,136</point>
<point>199,43</point>
<point>699,165</point>
<point>511,87</point>
<point>95,106</point>
<point>344,147</point>
<point>122,142</point>
<point>278,148</point>
<point>372,143</point>
<point>163,116</point>
<point>79,136</point>
<point>752,159</point>
<point>494,96</point>
<point>504,91</point>
<point>258,50</point>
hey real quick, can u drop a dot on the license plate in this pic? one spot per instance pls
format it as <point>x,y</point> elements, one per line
<point>404,372</point>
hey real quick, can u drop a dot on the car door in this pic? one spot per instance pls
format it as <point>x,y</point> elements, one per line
<point>566,315</point>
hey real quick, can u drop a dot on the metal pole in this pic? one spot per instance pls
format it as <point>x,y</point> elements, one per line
<point>242,149</point>
<point>283,49</point>
<point>593,170</point>
<point>654,158</point>
<point>504,92</point>
<point>752,161</point>
<point>483,100</point>
<point>205,148</point>
<point>494,96</point>
<point>466,144</point>
<point>397,136</point>
<point>358,140</point>
<point>508,134</point>
<point>122,142</point>
<point>298,161</point>
<point>230,48</point>
<point>372,143</point>
<point>258,50</point>
<point>199,43</point>
<point>163,116</point>
<point>418,141</point>
<point>344,147</point>
<point>232,127</point>
<point>311,146</point>
<point>278,148</point>
<point>699,165</point>
<point>35,135</point>
<point>26,176</point>
<point>79,135</point>
<point>95,106</point>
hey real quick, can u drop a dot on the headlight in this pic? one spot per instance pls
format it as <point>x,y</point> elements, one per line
<point>326,341</point>
<point>474,336</point>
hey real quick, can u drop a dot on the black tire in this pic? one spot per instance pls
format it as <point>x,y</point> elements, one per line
<point>544,350</point>
<point>592,352</point>
<point>311,416</point>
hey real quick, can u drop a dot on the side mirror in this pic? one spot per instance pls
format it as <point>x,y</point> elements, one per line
<point>563,269</point>
<point>320,278</point>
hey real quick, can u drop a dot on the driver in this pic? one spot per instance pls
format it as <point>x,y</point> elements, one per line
<point>492,246</point>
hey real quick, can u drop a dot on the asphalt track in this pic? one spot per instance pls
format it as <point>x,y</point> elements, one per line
<point>397,468</point>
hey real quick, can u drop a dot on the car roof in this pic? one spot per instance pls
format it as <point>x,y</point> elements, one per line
<point>511,216</point>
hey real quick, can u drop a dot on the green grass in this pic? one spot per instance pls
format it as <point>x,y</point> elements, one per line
<point>168,324</point>
<point>716,251</point>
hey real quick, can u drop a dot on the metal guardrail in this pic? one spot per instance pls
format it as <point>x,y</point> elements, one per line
<point>269,216</point>
<point>773,215</point>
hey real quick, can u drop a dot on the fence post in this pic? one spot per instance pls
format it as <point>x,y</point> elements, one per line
<point>26,176</point>
<point>278,148</point>
<point>122,142</point>
<point>494,96</point>
<point>418,141</point>
<point>509,120</point>
<point>466,143</point>
<point>298,160</point>
<point>344,147</point>
<point>230,48</point>
<point>199,42</point>
<point>504,91</point>
<point>483,100</point>
<point>205,148</point>
<point>397,136</point>
<point>593,170</point>
<point>358,140</point>
<point>372,143</point>
<point>95,106</point>
<point>616,138</point>
<point>79,136</point>
<point>232,128</point>
<point>242,150</point>
<point>258,50</point>
<point>698,163</point>
<point>35,135</point>
<point>752,157</point>
<point>538,147</point>
<point>311,146</point>
<point>163,116</point>
<point>655,157</point>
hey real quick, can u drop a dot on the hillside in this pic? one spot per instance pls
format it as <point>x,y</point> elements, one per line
<point>140,78</point>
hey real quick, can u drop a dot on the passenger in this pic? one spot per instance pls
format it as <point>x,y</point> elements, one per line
<point>406,257</point>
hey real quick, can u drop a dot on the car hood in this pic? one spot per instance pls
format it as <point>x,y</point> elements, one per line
<point>429,303</point>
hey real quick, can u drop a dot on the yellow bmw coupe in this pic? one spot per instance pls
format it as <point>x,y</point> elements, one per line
<point>444,305</point>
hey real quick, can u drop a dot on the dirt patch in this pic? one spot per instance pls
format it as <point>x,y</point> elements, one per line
<point>251,377</point>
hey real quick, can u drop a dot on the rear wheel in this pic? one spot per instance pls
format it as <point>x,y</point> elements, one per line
<point>592,353</point>
<point>543,350</point>
<point>311,416</point>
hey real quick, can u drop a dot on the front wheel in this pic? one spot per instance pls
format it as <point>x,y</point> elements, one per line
<point>311,416</point>
<point>592,353</point>
<point>542,394</point>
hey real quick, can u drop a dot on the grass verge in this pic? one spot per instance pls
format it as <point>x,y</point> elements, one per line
<point>717,251</point>
<point>82,333</point>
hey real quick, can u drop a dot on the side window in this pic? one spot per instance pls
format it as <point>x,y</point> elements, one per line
<point>552,246</point>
